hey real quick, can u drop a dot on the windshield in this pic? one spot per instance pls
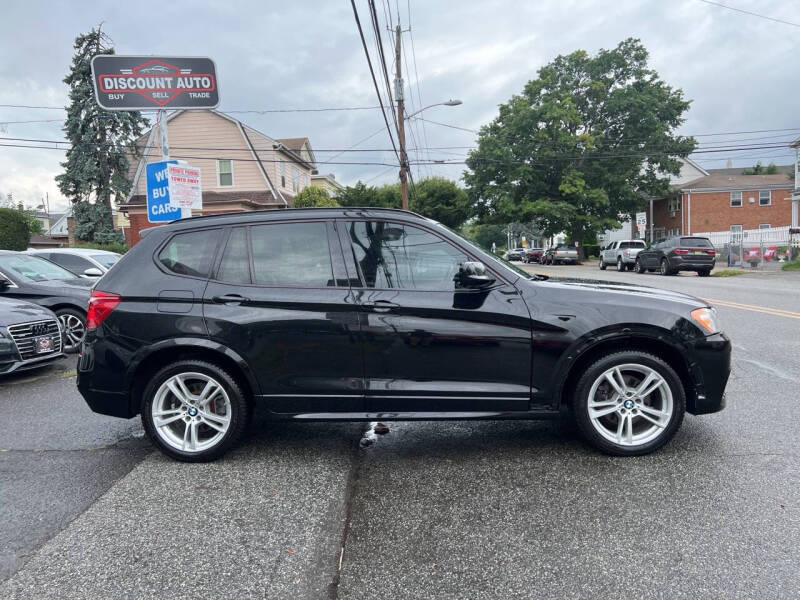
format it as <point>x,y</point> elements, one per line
<point>107,260</point>
<point>487,257</point>
<point>32,269</point>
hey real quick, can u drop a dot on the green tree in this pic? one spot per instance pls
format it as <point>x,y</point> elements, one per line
<point>15,229</point>
<point>357,195</point>
<point>96,166</point>
<point>759,169</point>
<point>443,200</point>
<point>582,144</point>
<point>484,234</point>
<point>313,196</point>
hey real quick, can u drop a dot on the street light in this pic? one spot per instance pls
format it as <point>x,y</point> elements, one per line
<point>402,138</point>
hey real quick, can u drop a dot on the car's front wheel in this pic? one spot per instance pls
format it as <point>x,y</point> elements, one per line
<point>194,411</point>
<point>73,328</point>
<point>639,267</point>
<point>704,272</point>
<point>664,267</point>
<point>629,403</point>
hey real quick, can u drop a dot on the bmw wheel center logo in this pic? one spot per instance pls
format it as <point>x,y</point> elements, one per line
<point>628,404</point>
<point>192,411</point>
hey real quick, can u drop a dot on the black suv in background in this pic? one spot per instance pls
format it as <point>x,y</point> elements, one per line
<point>351,314</point>
<point>682,253</point>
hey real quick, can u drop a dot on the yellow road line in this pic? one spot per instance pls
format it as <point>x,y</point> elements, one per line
<point>777,312</point>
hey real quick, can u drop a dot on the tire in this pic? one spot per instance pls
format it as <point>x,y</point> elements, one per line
<point>664,267</point>
<point>620,264</point>
<point>173,436</point>
<point>639,267</point>
<point>616,431</point>
<point>73,326</point>
<point>704,272</point>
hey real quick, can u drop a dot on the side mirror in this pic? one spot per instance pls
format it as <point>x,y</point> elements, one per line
<point>93,272</point>
<point>472,275</point>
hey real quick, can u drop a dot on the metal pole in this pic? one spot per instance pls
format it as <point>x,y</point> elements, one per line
<point>651,221</point>
<point>401,129</point>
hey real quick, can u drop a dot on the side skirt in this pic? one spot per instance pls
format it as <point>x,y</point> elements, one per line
<point>418,416</point>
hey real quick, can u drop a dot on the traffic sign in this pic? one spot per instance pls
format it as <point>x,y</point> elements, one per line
<point>185,191</point>
<point>159,209</point>
<point>148,82</point>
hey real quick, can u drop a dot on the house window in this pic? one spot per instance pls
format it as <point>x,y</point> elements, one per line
<point>674,231</point>
<point>295,179</point>
<point>224,172</point>
<point>736,198</point>
<point>764,225</point>
<point>764,198</point>
<point>658,233</point>
<point>736,229</point>
<point>283,174</point>
<point>674,204</point>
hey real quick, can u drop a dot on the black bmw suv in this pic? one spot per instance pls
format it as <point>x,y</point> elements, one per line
<point>364,314</point>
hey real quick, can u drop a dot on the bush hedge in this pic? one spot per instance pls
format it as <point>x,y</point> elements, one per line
<point>113,247</point>
<point>15,233</point>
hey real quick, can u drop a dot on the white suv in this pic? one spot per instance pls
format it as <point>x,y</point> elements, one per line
<point>621,253</point>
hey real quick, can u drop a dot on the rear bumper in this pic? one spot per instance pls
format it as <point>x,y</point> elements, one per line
<point>691,263</point>
<point>104,394</point>
<point>711,366</point>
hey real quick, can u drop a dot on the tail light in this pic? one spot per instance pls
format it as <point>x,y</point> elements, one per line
<point>627,252</point>
<point>711,252</point>
<point>100,306</point>
<point>680,251</point>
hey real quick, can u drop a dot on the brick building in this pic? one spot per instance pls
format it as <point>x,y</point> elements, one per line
<point>724,200</point>
<point>241,168</point>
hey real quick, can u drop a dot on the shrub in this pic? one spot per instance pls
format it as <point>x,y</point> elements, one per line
<point>313,197</point>
<point>15,230</point>
<point>113,247</point>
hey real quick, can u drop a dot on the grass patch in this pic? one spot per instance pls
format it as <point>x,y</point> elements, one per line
<point>729,273</point>
<point>791,266</point>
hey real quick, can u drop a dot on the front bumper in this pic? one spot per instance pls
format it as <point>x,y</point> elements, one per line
<point>710,364</point>
<point>10,360</point>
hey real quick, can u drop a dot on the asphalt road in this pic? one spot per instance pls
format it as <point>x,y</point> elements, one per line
<point>430,510</point>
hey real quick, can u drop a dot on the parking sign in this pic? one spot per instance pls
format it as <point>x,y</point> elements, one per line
<point>158,206</point>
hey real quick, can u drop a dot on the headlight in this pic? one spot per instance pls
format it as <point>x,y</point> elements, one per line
<point>706,318</point>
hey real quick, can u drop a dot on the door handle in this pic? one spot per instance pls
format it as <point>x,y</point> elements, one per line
<point>230,299</point>
<point>379,305</point>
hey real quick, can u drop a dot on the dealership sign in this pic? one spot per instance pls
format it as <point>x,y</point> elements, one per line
<point>148,82</point>
<point>159,208</point>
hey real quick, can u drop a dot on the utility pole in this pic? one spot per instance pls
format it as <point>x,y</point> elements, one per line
<point>401,126</point>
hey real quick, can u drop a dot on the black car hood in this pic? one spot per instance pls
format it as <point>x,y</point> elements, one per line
<point>17,311</point>
<point>625,289</point>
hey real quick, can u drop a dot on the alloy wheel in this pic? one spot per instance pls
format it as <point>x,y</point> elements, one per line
<point>191,412</point>
<point>74,331</point>
<point>630,404</point>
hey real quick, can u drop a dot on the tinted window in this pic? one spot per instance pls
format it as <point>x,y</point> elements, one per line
<point>190,253</point>
<point>695,242</point>
<point>76,264</point>
<point>391,255</point>
<point>235,265</point>
<point>631,245</point>
<point>293,254</point>
<point>566,247</point>
<point>107,260</point>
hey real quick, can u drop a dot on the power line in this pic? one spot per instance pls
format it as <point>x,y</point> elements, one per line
<point>752,14</point>
<point>372,73</point>
<point>446,125</point>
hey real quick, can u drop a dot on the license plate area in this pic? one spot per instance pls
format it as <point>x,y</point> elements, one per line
<point>43,344</point>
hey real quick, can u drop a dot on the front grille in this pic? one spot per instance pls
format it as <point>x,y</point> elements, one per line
<point>24,335</point>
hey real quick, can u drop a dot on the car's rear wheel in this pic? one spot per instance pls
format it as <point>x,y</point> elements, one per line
<point>73,327</point>
<point>194,411</point>
<point>620,264</point>
<point>629,403</point>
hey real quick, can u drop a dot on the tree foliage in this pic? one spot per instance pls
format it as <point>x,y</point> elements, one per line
<point>311,196</point>
<point>583,143</point>
<point>96,167</point>
<point>435,197</point>
<point>15,229</point>
<point>759,169</point>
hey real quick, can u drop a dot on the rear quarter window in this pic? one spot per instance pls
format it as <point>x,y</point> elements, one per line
<point>190,253</point>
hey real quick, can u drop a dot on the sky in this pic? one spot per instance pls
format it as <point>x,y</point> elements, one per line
<point>740,71</point>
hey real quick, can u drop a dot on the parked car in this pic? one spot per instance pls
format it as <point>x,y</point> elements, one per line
<point>560,254</point>
<point>533,255</point>
<point>515,254</point>
<point>621,253</point>
<point>85,262</point>
<point>336,314</point>
<point>31,278</point>
<point>680,253</point>
<point>30,336</point>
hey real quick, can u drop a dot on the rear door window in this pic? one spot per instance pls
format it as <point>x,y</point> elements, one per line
<point>291,254</point>
<point>190,253</point>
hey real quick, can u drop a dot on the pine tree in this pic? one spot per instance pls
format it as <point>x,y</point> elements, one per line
<point>96,166</point>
